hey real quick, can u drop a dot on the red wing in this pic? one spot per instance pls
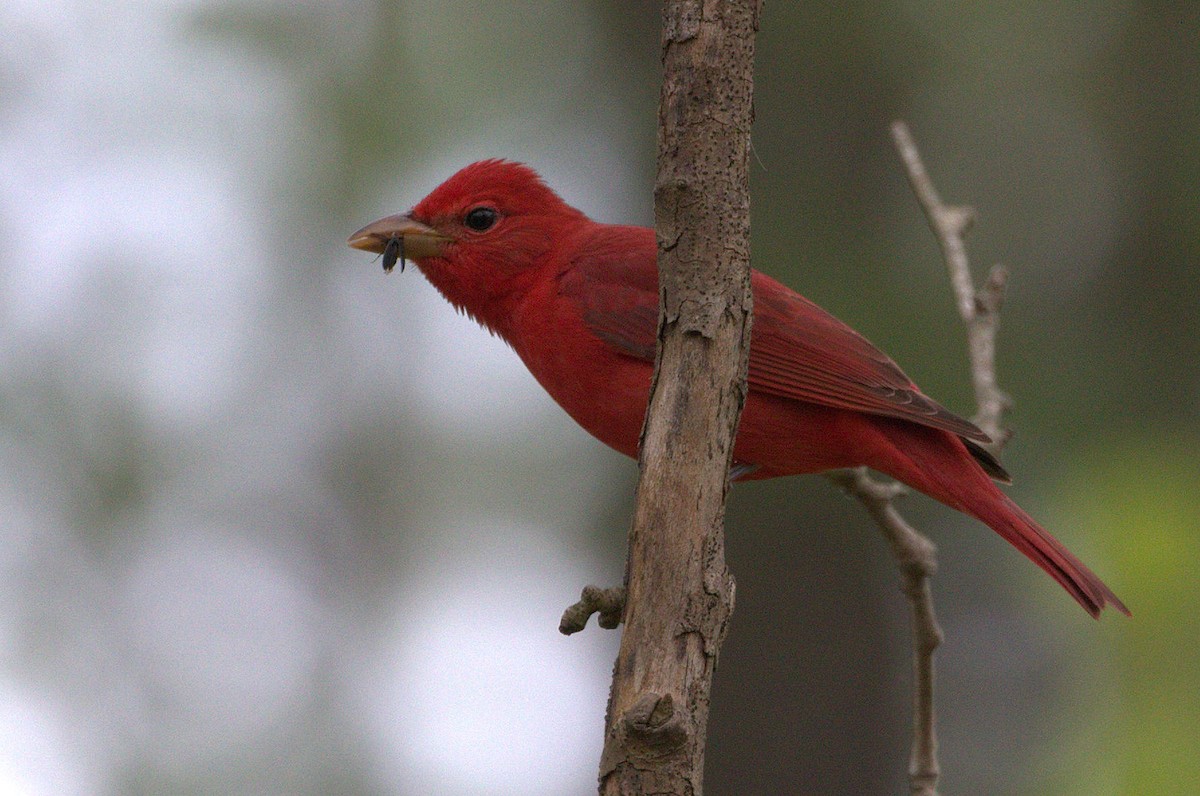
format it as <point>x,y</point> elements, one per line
<point>797,351</point>
<point>614,281</point>
<point>800,351</point>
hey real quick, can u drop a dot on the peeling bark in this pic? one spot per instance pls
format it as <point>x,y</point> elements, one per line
<point>679,594</point>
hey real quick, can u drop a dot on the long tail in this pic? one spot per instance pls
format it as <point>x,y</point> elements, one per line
<point>1006,518</point>
<point>938,464</point>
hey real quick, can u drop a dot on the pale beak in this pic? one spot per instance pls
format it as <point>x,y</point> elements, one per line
<point>399,237</point>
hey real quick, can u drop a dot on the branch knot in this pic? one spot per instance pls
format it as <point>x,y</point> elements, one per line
<point>608,603</point>
<point>655,724</point>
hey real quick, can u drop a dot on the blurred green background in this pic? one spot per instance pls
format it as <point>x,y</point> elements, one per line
<point>273,523</point>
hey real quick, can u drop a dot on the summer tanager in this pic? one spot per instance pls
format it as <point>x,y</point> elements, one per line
<point>578,301</point>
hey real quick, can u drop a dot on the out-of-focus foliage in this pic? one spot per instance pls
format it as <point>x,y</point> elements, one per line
<point>1141,491</point>
<point>274,523</point>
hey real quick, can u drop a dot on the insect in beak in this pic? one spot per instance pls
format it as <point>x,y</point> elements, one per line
<point>393,251</point>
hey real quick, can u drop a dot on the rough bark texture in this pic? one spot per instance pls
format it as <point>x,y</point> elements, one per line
<point>679,593</point>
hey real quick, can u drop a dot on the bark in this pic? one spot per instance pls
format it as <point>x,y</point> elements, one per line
<point>679,595</point>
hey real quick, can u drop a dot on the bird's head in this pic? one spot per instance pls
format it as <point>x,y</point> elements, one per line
<point>479,236</point>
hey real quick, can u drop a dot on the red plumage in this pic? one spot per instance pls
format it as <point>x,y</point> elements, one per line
<point>578,301</point>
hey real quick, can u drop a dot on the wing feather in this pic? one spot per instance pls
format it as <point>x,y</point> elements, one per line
<point>798,350</point>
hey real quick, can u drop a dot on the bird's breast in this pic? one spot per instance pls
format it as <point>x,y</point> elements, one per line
<point>602,389</point>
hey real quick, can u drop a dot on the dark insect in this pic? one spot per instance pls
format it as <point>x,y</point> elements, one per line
<point>392,252</point>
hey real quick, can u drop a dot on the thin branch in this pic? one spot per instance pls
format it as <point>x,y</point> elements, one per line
<point>979,309</point>
<point>915,555</point>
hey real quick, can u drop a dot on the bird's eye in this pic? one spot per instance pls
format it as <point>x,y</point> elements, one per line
<point>481,219</point>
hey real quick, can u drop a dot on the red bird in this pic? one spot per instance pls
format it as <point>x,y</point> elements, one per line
<point>578,301</point>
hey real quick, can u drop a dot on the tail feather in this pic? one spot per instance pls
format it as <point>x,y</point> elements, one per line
<point>1018,528</point>
<point>940,465</point>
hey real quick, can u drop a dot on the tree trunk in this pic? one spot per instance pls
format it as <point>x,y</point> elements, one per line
<point>679,594</point>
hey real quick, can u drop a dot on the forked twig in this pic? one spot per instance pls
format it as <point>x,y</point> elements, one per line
<point>915,555</point>
<point>978,308</point>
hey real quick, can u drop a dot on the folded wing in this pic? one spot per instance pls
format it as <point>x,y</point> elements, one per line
<point>798,351</point>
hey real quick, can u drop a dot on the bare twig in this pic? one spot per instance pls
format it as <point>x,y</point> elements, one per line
<point>979,309</point>
<point>915,555</point>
